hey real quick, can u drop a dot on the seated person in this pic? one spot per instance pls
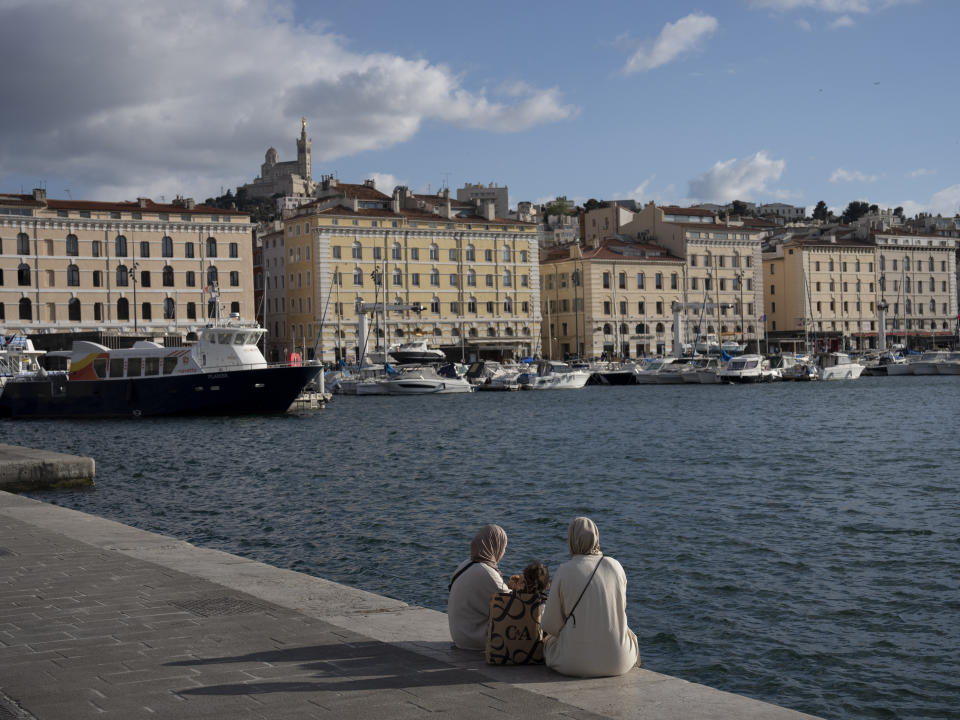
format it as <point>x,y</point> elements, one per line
<point>472,585</point>
<point>515,636</point>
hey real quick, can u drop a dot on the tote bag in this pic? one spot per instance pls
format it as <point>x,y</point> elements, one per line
<point>514,633</point>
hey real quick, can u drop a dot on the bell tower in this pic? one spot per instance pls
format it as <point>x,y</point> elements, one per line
<point>303,153</point>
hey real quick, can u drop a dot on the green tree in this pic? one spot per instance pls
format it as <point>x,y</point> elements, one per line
<point>855,210</point>
<point>593,204</point>
<point>738,207</point>
<point>874,209</point>
<point>560,206</point>
<point>820,212</point>
<point>898,211</point>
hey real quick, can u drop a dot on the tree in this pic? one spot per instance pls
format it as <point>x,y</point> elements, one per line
<point>898,211</point>
<point>874,209</point>
<point>738,207</point>
<point>560,206</point>
<point>820,212</point>
<point>593,204</point>
<point>855,210</point>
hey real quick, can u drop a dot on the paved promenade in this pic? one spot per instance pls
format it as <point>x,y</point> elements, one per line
<point>101,620</point>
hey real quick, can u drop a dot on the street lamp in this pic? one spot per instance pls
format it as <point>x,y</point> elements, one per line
<point>133,277</point>
<point>576,309</point>
<point>743,329</point>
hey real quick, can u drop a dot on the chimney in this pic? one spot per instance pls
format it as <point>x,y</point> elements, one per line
<point>142,202</point>
<point>40,195</point>
<point>395,202</point>
<point>370,183</point>
<point>489,210</point>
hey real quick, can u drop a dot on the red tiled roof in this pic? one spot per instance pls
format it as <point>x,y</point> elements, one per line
<point>361,192</point>
<point>716,227</point>
<point>123,206</point>
<point>675,210</point>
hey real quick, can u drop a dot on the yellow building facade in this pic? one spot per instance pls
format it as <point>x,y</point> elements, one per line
<point>825,293</point>
<point>153,268</point>
<point>475,277</point>
<point>614,301</point>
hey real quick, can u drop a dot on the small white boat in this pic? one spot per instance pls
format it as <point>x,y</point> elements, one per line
<point>424,381</point>
<point>745,369</point>
<point>416,352</point>
<point>929,362</point>
<point>950,366</point>
<point>709,344</point>
<point>731,347</point>
<point>838,366</point>
<point>674,373</point>
<point>704,371</point>
<point>647,375</point>
<point>553,375</point>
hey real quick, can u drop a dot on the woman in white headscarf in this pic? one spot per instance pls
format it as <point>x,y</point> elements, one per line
<point>586,613</point>
<point>475,580</point>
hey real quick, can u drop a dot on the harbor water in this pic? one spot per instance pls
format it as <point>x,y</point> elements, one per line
<point>798,543</point>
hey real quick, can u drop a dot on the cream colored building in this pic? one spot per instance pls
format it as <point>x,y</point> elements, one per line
<point>613,301</point>
<point>824,293</point>
<point>475,276</point>
<point>141,266</point>
<point>721,266</point>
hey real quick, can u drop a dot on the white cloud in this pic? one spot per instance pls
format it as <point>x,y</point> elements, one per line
<point>804,25</point>
<point>844,21</point>
<point>841,175</point>
<point>737,179</point>
<point>920,172</point>
<point>129,96</point>
<point>945,202</point>
<point>385,182</point>
<point>637,193</point>
<point>834,6</point>
<point>675,39</point>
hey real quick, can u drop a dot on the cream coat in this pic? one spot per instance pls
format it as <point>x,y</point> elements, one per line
<point>468,607</point>
<point>596,642</point>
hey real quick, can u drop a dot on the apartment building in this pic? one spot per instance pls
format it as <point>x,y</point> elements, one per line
<point>721,266</point>
<point>152,268</point>
<point>613,301</point>
<point>824,292</point>
<point>473,276</point>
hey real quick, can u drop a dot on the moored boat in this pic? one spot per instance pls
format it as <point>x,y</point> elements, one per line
<point>553,375</point>
<point>838,366</point>
<point>424,381</point>
<point>416,352</point>
<point>224,373</point>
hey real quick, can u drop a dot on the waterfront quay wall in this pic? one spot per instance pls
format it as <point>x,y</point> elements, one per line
<point>24,469</point>
<point>99,619</point>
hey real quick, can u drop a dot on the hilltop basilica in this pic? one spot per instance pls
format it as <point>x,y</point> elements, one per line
<point>289,178</point>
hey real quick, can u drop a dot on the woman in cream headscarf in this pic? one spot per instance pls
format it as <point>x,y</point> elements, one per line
<point>475,580</point>
<point>586,615</point>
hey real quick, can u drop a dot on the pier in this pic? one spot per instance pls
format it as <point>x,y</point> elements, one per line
<point>25,469</point>
<point>100,619</point>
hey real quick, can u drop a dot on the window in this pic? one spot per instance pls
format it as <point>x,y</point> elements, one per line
<point>623,307</point>
<point>452,254</point>
<point>95,248</point>
<point>168,276</point>
<point>73,247</point>
<point>606,307</point>
<point>211,308</point>
<point>336,252</point>
<point>98,312</point>
<point>73,310</point>
<point>472,305</point>
<point>435,278</point>
<point>622,281</point>
<point>191,311</point>
<point>523,256</point>
<point>212,276</point>
<point>73,276</point>
<point>376,252</point>
<point>190,278</point>
<point>146,311</point>
<point>505,254</point>
<point>188,250</point>
<point>145,278</point>
<point>658,281</point>
<point>606,279</point>
<point>357,277</point>
<point>414,253</point>
<point>395,251</point>
<point>506,278</point>
<point>489,281</point>
<point>508,305</point>
<point>673,281</point>
<point>23,245</point>
<point>169,309</point>
<point>120,246</point>
<point>488,255</point>
<point>435,305</point>
<point>453,280</point>
<point>639,281</point>
<point>415,279</point>
<point>659,307</point>
<point>123,276</point>
<point>234,250</point>
<point>641,309</point>
<point>123,309</point>
<point>434,252</point>
<point>144,249</point>
<point>234,278</point>
<point>471,253</point>
<point>773,290</point>
<point>211,247</point>
<point>26,310</point>
<point>166,246</point>
<point>97,278</point>
<point>397,277</point>
<point>356,252</point>
<point>471,278</point>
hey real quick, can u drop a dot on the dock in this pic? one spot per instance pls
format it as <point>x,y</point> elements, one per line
<point>100,619</point>
<point>25,469</point>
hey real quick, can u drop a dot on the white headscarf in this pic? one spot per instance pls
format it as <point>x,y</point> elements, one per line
<point>583,537</point>
<point>489,545</point>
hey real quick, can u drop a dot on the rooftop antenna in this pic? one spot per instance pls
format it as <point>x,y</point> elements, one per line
<point>446,180</point>
<point>67,191</point>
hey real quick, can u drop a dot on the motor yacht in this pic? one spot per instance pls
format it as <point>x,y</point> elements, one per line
<point>424,381</point>
<point>838,366</point>
<point>553,375</point>
<point>745,369</point>
<point>929,362</point>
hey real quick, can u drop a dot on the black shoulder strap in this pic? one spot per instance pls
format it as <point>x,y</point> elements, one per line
<point>460,572</point>
<point>570,614</point>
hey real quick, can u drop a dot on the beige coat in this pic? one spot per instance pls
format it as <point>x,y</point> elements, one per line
<point>468,607</point>
<point>596,641</point>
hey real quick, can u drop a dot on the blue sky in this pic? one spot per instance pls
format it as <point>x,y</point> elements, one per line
<point>762,100</point>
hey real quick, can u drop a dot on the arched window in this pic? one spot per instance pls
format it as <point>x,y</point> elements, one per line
<point>26,310</point>
<point>434,251</point>
<point>120,246</point>
<point>507,278</point>
<point>395,251</point>
<point>23,275</point>
<point>659,328</point>
<point>607,329</point>
<point>491,332</point>
<point>235,308</point>
<point>212,276</point>
<point>123,309</point>
<point>73,310</point>
<point>123,276</point>
<point>73,276</point>
<point>73,247</point>
<point>211,247</point>
<point>169,309</point>
<point>167,276</point>
<point>471,253</point>
<point>640,329</point>
<point>166,246</point>
<point>23,244</point>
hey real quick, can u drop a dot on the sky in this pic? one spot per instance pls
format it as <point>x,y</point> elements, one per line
<point>680,102</point>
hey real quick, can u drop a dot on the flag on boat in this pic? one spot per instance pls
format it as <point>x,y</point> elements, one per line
<point>763,318</point>
<point>724,356</point>
<point>390,369</point>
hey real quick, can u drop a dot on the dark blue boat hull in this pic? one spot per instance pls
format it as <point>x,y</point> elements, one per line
<point>240,392</point>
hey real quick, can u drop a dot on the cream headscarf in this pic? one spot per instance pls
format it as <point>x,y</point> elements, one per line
<point>583,537</point>
<point>488,545</point>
